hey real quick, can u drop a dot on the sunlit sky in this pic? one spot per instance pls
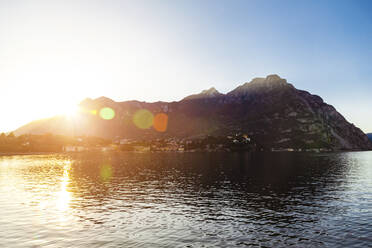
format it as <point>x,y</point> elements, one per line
<point>53,54</point>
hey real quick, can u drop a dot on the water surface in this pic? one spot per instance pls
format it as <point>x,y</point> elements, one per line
<point>186,200</point>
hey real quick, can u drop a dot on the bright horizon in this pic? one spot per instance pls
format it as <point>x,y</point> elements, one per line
<point>55,54</point>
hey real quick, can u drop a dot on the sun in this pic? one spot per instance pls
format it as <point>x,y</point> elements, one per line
<point>71,111</point>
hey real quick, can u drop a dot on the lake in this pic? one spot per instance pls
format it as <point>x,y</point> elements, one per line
<point>186,200</point>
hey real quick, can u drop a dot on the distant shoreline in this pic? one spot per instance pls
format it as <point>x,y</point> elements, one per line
<point>26,153</point>
<point>82,152</point>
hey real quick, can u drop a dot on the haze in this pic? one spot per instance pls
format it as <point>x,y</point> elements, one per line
<point>54,54</point>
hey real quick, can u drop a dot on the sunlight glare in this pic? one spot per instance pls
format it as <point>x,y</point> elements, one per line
<point>71,111</point>
<point>64,195</point>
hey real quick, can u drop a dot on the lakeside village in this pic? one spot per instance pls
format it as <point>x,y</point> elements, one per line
<point>60,143</point>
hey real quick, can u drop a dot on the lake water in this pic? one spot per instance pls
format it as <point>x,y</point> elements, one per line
<point>186,200</point>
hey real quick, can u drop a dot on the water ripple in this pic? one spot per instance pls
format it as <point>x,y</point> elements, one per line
<point>186,200</point>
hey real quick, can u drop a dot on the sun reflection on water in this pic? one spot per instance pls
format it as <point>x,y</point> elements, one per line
<point>64,196</point>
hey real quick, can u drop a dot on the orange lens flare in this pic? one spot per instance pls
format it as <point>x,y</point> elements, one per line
<point>161,122</point>
<point>143,119</point>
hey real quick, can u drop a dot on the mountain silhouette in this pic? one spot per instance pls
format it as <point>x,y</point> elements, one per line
<point>270,110</point>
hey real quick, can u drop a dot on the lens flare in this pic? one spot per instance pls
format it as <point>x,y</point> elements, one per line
<point>106,172</point>
<point>161,122</point>
<point>143,119</point>
<point>107,113</point>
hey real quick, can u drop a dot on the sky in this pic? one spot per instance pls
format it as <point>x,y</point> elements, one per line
<point>54,54</point>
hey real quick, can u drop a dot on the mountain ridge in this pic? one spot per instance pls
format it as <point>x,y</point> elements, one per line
<point>269,109</point>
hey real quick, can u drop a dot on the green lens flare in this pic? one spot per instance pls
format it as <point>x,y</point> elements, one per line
<point>107,113</point>
<point>106,172</point>
<point>143,119</point>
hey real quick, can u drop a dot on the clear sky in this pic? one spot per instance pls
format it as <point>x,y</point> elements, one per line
<point>53,54</point>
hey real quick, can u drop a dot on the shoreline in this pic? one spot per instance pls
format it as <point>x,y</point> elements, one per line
<point>26,153</point>
<point>86,152</point>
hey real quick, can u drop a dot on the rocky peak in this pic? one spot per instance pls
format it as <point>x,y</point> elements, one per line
<point>104,100</point>
<point>274,78</point>
<point>211,92</point>
<point>98,102</point>
<point>259,84</point>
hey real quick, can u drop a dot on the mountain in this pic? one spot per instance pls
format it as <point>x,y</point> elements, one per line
<point>210,93</point>
<point>369,136</point>
<point>270,110</point>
